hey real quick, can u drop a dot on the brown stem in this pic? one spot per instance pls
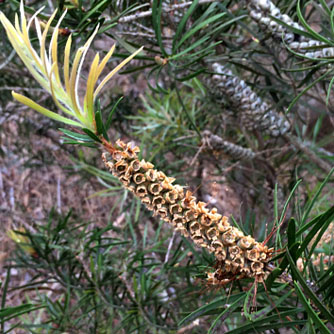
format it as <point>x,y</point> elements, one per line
<point>326,167</point>
<point>107,145</point>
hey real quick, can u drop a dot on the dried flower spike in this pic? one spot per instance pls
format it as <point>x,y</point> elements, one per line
<point>255,114</point>
<point>237,255</point>
<point>262,12</point>
<point>217,144</point>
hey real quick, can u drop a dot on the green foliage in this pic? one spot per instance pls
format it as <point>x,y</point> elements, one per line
<point>108,275</point>
<point>103,280</point>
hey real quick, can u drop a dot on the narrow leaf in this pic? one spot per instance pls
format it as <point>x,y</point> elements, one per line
<point>297,276</point>
<point>323,329</point>
<point>293,102</point>
<point>291,232</point>
<point>92,12</point>
<point>269,322</point>
<point>156,17</point>
<point>46,112</point>
<point>199,27</point>
<point>75,135</point>
<point>108,123</point>
<point>228,310</point>
<point>183,22</point>
<point>315,197</point>
<point>99,125</point>
<point>322,223</point>
<point>92,135</point>
<point>214,305</point>
<point>309,29</point>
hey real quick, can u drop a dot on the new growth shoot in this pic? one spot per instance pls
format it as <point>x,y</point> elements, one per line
<point>44,67</point>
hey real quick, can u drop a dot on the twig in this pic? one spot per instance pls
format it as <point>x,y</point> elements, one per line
<point>170,247</point>
<point>141,26</point>
<point>8,60</point>
<point>319,149</point>
<point>11,198</point>
<point>197,154</point>
<point>312,156</point>
<point>189,327</point>
<point>2,193</point>
<point>58,195</point>
<point>22,88</point>
<point>51,5</point>
<point>166,9</point>
<point>136,33</point>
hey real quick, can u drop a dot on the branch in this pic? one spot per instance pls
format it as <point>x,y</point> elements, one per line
<point>167,9</point>
<point>326,167</point>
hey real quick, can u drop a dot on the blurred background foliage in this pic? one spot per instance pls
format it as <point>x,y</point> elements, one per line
<point>80,255</point>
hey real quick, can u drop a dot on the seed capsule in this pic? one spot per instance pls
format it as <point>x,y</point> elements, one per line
<point>246,242</point>
<point>229,237</point>
<point>195,227</point>
<point>154,188</point>
<point>135,165</point>
<point>252,254</point>
<point>171,197</point>
<point>257,267</point>
<point>146,200</point>
<point>237,264</point>
<point>139,178</point>
<point>212,233</point>
<point>177,220</point>
<point>151,175</point>
<point>234,251</point>
<point>162,212</point>
<point>121,167</point>
<point>220,254</point>
<point>141,191</point>
<point>158,201</point>
<point>146,165</point>
<point>175,209</point>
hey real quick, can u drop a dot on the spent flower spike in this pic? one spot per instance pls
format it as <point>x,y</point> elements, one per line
<point>45,69</point>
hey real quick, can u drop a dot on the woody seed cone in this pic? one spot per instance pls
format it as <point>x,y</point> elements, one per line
<point>237,255</point>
